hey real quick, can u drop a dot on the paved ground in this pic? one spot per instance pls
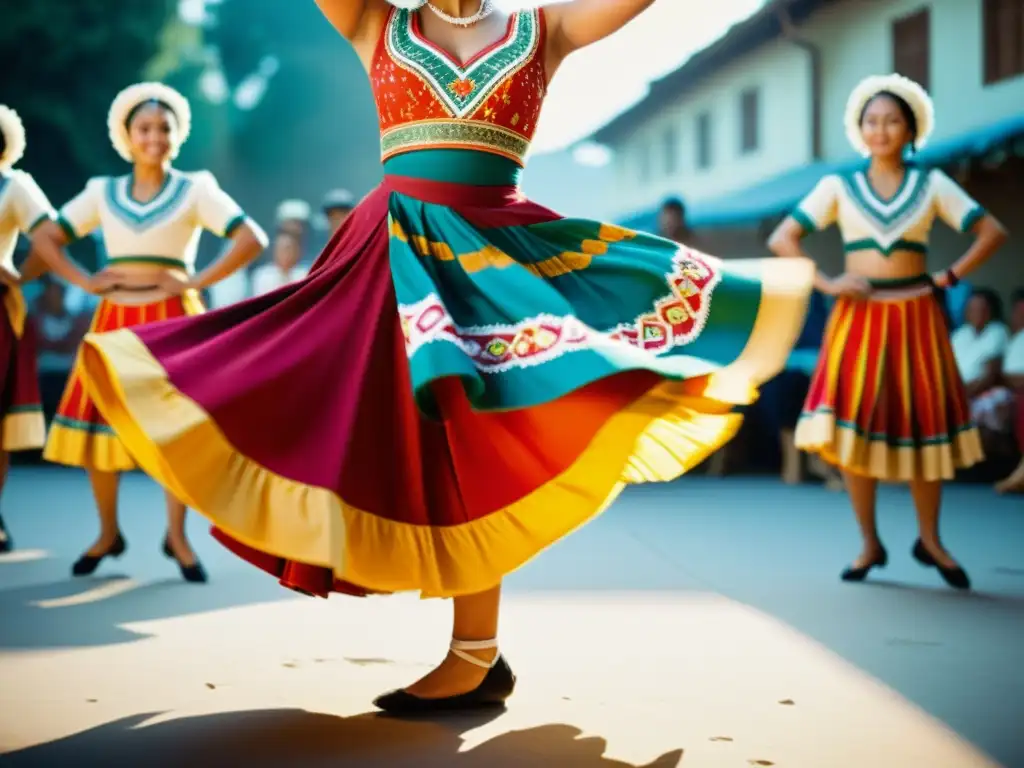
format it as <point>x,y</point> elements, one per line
<point>696,625</point>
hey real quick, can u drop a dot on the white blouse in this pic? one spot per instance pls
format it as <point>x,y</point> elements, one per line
<point>269,277</point>
<point>164,231</point>
<point>23,206</point>
<point>973,350</point>
<point>867,222</point>
<point>1013,360</point>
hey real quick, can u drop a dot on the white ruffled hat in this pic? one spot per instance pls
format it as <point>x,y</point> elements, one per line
<point>13,131</point>
<point>293,210</point>
<point>912,93</point>
<point>140,93</point>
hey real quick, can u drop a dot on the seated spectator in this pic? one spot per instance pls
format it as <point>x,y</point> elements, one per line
<point>60,327</point>
<point>285,267</point>
<point>979,346</point>
<point>1013,378</point>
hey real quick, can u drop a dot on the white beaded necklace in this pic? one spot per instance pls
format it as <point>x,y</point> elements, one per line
<point>485,10</point>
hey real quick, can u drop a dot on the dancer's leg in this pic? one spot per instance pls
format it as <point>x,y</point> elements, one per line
<point>475,618</point>
<point>104,490</point>
<point>863,493</point>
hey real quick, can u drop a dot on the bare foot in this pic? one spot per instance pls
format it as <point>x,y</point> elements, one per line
<point>453,676</point>
<point>182,549</point>
<point>835,484</point>
<point>792,474</point>
<point>1012,484</point>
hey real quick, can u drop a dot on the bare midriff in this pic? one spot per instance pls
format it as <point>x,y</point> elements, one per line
<point>897,266</point>
<point>140,281</point>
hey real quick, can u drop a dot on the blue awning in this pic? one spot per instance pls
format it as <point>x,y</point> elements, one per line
<point>780,194</point>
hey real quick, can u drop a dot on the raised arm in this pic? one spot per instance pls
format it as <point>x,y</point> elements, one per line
<point>359,21</point>
<point>576,24</point>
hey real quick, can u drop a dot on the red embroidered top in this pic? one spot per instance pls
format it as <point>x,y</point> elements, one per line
<point>428,100</point>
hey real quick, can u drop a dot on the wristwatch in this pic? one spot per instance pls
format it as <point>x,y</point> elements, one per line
<point>951,277</point>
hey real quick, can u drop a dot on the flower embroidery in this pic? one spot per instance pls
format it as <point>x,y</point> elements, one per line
<point>462,88</point>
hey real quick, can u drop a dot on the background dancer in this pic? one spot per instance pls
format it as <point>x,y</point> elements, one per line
<point>886,401</point>
<point>151,221</point>
<point>23,206</point>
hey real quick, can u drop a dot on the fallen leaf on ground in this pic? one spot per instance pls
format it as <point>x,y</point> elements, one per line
<point>787,702</point>
<point>721,738</point>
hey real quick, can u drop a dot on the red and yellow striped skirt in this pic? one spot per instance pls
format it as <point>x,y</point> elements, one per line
<point>886,400</point>
<point>79,435</point>
<point>21,412</point>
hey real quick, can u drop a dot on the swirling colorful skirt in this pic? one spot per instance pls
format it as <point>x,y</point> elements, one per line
<point>79,435</point>
<point>21,411</point>
<point>886,400</point>
<point>464,378</point>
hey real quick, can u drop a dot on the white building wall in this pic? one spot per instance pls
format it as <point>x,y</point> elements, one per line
<point>781,72</point>
<point>856,41</point>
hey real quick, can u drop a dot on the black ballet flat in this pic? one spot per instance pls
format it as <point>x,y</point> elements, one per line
<point>6,543</point>
<point>955,577</point>
<point>861,573</point>
<point>87,564</point>
<point>496,687</point>
<point>192,573</point>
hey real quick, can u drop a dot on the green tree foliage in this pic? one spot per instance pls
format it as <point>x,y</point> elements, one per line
<point>62,63</point>
<point>316,126</point>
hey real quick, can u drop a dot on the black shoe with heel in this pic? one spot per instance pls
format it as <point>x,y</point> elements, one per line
<point>87,564</point>
<point>496,687</point>
<point>192,573</point>
<point>956,577</point>
<point>859,574</point>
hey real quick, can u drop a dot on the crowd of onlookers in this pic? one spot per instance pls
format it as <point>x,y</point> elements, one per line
<point>297,242</point>
<point>988,344</point>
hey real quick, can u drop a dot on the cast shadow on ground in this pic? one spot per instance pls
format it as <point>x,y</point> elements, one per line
<point>299,739</point>
<point>90,612</point>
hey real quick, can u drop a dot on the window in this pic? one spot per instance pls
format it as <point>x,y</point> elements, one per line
<point>911,47</point>
<point>1003,42</point>
<point>704,140</point>
<point>671,140</point>
<point>749,120</point>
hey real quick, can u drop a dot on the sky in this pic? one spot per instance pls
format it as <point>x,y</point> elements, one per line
<point>599,82</point>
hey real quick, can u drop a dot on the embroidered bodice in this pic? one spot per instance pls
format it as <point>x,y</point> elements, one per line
<point>428,100</point>
<point>868,222</point>
<point>163,231</point>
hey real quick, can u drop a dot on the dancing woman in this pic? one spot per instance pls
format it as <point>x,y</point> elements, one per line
<point>886,401</point>
<point>23,207</point>
<point>464,377</point>
<point>151,221</point>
